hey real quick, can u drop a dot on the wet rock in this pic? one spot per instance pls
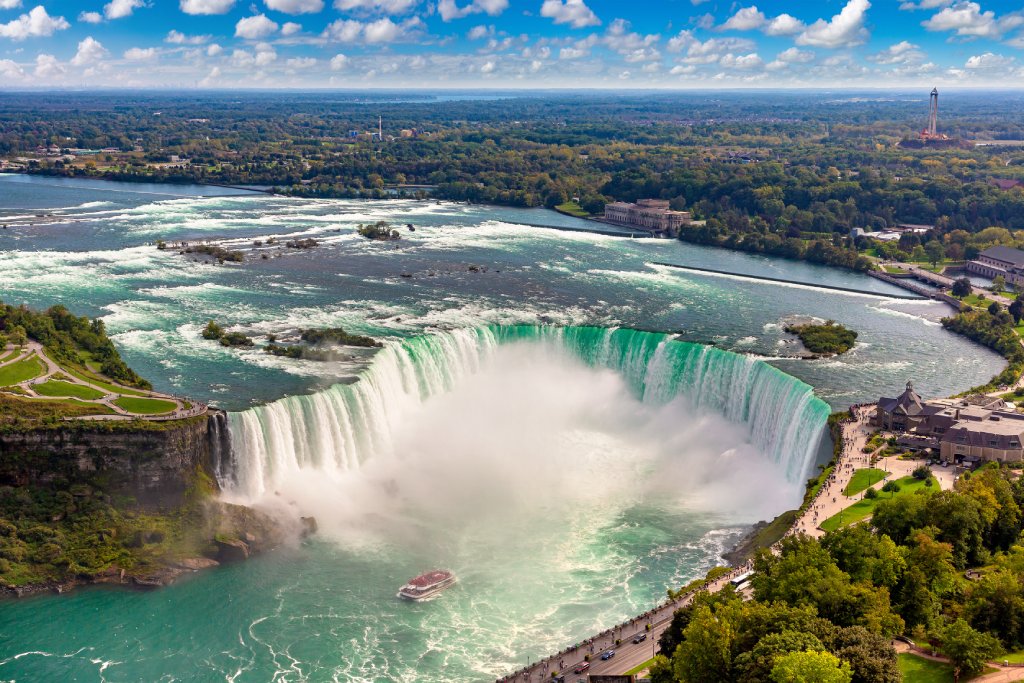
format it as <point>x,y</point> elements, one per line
<point>232,550</point>
<point>309,526</point>
<point>196,563</point>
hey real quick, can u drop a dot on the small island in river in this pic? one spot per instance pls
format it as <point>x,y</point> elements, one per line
<point>829,339</point>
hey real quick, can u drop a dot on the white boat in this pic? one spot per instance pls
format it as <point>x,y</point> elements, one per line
<point>426,586</point>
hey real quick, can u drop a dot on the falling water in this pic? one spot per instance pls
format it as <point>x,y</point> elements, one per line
<point>343,426</point>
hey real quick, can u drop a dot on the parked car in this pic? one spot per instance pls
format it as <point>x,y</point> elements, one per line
<point>581,667</point>
<point>640,637</point>
<point>607,654</point>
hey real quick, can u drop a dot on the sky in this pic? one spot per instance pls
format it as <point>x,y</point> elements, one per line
<point>224,44</point>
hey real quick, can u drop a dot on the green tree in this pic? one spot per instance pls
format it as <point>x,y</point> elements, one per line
<point>966,648</point>
<point>961,287</point>
<point>998,283</point>
<point>705,654</point>
<point>936,252</point>
<point>919,255</point>
<point>661,670</point>
<point>811,667</point>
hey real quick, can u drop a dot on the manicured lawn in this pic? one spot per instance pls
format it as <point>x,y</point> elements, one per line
<point>1012,658</point>
<point>919,670</point>
<point>573,209</point>
<point>8,355</point>
<point>862,479</point>
<point>976,301</point>
<point>21,371</point>
<point>863,509</point>
<point>640,667</point>
<point>144,406</point>
<point>112,388</point>
<point>55,388</point>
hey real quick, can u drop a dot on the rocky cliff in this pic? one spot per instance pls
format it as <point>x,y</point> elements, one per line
<point>154,463</point>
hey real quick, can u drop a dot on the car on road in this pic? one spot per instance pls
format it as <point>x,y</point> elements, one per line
<point>608,654</point>
<point>581,667</point>
<point>639,638</point>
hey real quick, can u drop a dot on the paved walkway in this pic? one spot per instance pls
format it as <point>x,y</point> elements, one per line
<point>1002,675</point>
<point>35,350</point>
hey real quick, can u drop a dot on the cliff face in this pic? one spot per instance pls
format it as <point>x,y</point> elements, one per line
<point>156,465</point>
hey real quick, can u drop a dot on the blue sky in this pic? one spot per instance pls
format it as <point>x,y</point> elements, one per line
<point>510,43</point>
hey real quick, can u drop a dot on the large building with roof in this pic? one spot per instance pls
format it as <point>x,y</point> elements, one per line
<point>967,430</point>
<point>995,261</point>
<point>648,214</point>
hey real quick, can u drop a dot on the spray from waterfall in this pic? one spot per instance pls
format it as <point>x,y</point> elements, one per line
<point>517,415</point>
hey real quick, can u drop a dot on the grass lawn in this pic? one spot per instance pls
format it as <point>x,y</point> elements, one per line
<point>863,509</point>
<point>976,301</point>
<point>573,209</point>
<point>144,406</point>
<point>102,384</point>
<point>1012,658</point>
<point>55,388</point>
<point>21,371</point>
<point>640,667</point>
<point>862,479</point>
<point>919,670</point>
<point>8,355</point>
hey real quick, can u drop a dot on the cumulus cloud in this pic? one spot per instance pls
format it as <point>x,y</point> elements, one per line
<point>572,12</point>
<point>731,61</point>
<point>988,60</point>
<point>47,66</point>
<point>140,54</point>
<point>90,17</point>
<point>339,62</point>
<point>968,20</point>
<point>926,4</point>
<point>381,31</point>
<point>301,63</point>
<point>488,67</point>
<point>746,19</point>
<point>845,29</point>
<point>10,4</point>
<point>903,53</point>
<point>376,6</point>
<point>179,38</point>
<point>296,6</point>
<point>9,70</point>
<point>211,78</point>
<point>480,32</point>
<point>89,52</point>
<point>36,24</point>
<point>118,9</point>
<point>783,25</point>
<point>255,27</point>
<point>290,28</point>
<point>206,6</point>
<point>449,9</point>
<point>214,50</point>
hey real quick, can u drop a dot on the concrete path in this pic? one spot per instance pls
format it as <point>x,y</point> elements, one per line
<point>1003,674</point>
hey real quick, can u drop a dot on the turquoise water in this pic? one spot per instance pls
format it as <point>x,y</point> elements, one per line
<point>565,493</point>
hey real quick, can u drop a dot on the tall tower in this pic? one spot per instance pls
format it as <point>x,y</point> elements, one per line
<point>933,114</point>
<point>380,127</point>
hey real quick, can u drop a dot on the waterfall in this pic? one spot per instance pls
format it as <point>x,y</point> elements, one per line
<point>343,426</point>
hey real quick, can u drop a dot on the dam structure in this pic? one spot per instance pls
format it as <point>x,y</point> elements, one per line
<point>342,427</point>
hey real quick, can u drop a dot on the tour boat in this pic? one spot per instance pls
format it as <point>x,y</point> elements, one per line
<point>426,586</point>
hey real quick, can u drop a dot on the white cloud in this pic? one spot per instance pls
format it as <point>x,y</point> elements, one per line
<point>967,19</point>
<point>338,62</point>
<point>746,19</point>
<point>140,54</point>
<point>290,28</point>
<point>479,32</point>
<point>488,67</point>
<point>10,70</point>
<point>214,50</point>
<point>47,66</point>
<point>206,6</point>
<point>783,25</point>
<point>376,6</point>
<point>118,9</point>
<point>795,56</point>
<point>90,51</point>
<point>988,61</point>
<point>845,29</point>
<point>449,9</point>
<point>10,4</point>
<point>301,63</point>
<point>572,12</point>
<point>296,6</point>
<point>36,24</point>
<point>926,4</point>
<point>902,53</point>
<point>265,55</point>
<point>90,17</point>
<point>179,38</point>
<point>381,31</point>
<point>210,78</point>
<point>255,27</point>
<point>731,61</point>
<point>572,53</point>
<point>683,70</point>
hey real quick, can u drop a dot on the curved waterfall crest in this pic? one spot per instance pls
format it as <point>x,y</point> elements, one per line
<point>341,427</point>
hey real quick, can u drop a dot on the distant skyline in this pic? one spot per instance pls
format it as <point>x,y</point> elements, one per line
<point>510,43</point>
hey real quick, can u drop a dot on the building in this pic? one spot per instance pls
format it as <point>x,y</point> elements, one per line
<point>994,261</point>
<point>649,214</point>
<point>1007,183</point>
<point>967,430</point>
